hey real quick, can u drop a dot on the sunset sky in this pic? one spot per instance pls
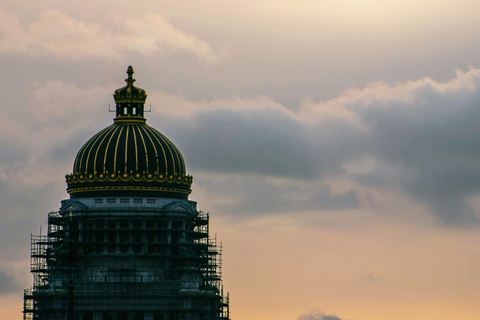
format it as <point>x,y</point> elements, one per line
<point>336,144</point>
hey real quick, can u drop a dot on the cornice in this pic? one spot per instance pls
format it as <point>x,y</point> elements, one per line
<point>76,189</point>
<point>130,119</point>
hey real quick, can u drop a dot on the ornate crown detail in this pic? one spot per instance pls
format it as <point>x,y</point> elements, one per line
<point>130,93</point>
<point>80,178</point>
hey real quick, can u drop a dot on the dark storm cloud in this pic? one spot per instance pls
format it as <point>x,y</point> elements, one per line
<point>425,133</point>
<point>267,143</point>
<point>266,159</point>
<point>434,140</point>
<point>318,315</point>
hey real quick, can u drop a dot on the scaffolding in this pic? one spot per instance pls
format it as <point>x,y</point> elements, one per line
<point>128,263</point>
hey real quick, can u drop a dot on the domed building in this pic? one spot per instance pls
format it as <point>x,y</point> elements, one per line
<point>127,244</point>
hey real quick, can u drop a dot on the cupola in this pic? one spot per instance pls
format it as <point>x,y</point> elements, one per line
<point>130,100</point>
<point>129,158</point>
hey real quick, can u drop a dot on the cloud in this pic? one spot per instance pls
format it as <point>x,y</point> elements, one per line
<point>428,132</point>
<point>418,139</point>
<point>318,315</point>
<point>7,284</point>
<point>55,34</point>
<point>257,136</point>
<point>260,195</point>
<point>46,137</point>
<point>265,143</point>
<point>180,107</point>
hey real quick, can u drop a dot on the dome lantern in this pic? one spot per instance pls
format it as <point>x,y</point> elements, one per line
<point>130,101</point>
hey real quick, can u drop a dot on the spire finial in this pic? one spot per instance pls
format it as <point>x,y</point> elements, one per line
<point>130,79</point>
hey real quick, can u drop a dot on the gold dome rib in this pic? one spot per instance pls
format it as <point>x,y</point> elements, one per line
<point>144,147</point>
<point>178,156</point>
<point>94,141</point>
<point>126,148</point>
<point>106,148</point>
<point>136,149</point>
<point>115,154</point>
<point>78,167</point>
<point>96,152</point>
<point>181,163</point>
<point>155,148</point>
<point>176,168</point>
<point>163,149</point>
<point>169,144</point>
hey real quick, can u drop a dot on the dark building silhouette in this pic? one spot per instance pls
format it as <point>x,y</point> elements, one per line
<point>127,244</point>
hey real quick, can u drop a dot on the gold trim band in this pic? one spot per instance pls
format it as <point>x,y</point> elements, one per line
<point>128,119</point>
<point>127,188</point>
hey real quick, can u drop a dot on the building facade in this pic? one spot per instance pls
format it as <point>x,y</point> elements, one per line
<point>127,244</point>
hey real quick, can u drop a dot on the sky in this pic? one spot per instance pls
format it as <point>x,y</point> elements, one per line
<point>335,144</point>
